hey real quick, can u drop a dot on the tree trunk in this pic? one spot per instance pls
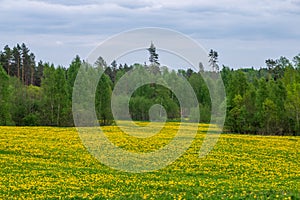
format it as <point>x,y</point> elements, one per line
<point>23,73</point>
<point>58,115</point>
<point>18,68</point>
<point>52,114</point>
<point>32,74</point>
<point>8,69</point>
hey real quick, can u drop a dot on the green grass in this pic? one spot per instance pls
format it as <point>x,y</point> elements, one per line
<point>52,163</point>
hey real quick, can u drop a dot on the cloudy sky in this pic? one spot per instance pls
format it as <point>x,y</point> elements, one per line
<point>244,32</point>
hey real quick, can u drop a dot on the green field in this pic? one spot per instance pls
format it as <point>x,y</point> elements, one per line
<point>52,163</point>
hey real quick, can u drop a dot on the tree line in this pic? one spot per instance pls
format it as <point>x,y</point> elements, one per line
<point>264,101</point>
<point>259,101</point>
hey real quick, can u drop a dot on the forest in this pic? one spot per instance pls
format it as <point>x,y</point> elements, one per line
<point>263,101</point>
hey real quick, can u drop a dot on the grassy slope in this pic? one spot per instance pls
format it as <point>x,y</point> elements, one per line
<point>44,162</point>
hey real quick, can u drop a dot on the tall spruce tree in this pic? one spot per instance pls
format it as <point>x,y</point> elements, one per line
<point>213,60</point>
<point>153,55</point>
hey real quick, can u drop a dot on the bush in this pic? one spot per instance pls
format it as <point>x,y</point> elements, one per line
<point>31,120</point>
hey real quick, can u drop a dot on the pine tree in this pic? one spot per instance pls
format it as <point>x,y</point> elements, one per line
<point>100,63</point>
<point>153,55</point>
<point>16,64</point>
<point>213,60</point>
<point>6,59</point>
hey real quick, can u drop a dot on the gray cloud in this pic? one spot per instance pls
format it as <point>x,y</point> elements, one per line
<point>63,22</point>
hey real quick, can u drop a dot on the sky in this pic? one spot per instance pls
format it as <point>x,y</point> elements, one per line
<point>244,32</point>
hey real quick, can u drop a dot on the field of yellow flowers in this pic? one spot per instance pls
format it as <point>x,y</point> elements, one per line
<point>52,163</point>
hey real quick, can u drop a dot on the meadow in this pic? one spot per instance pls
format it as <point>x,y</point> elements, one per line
<point>52,163</point>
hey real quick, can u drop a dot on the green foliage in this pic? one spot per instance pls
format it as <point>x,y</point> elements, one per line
<point>237,118</point>
<point>139,107</point>
<point>72,73</point>
<point>31,120</point>
<point>18,110</point>
<point>5,116</point>
<point>193,115</point>
<point>103,100</point>
<point>56,102</point>
<point>264,101</point>
<point>292,105</point>
<point>20,62</point>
